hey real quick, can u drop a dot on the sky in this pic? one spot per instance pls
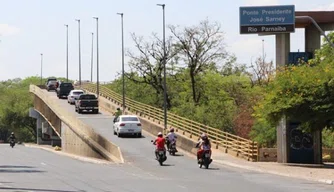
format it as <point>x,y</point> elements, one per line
<point>31,27</point>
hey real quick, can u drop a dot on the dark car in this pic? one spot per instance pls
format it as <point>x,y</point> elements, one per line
<point>50,79</point>
<point>64,89</point>
<point>87,102</point>
<point>51,85</point>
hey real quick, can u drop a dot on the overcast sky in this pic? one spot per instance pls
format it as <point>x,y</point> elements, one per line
<point>31,27</point>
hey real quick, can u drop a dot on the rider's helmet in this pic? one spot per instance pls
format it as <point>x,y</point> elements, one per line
<point>171,130</point>
<point>159,134</point>
<point>12,133</point>
<point>204,136</point>
<point>118,109</point>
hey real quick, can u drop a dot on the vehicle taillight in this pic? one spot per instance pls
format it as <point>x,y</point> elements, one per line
<point>122,124</point>
<point>138,124</point>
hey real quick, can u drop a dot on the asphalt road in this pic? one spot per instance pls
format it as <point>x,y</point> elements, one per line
<point>141,172</point>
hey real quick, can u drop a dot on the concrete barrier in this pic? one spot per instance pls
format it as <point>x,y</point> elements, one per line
<point>270,155</point>
<point>267,155</point>
<point>77,129</point>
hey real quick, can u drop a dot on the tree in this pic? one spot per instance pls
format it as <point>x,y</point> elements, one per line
<point>201,47</point>
<point>148,66</point>
<point>262,71</point>
<point>304,92</point>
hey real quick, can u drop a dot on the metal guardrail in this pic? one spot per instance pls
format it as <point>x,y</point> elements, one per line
<point>231,143</point>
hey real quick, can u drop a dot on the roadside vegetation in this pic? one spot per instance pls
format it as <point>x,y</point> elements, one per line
<point>206,84</point>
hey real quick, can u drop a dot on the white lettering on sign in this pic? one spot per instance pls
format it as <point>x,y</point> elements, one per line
<point>273,29</point>
<point>245,12</point>
<point>256,19</point>
<point>276,12</point>
<point>252,29</point>
<point>275,19</point>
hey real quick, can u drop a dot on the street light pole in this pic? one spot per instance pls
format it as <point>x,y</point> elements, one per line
<point>97,56</point>
<point>66,53</point>
<point>164,63</point>
<point>78,20</point>
<point>41,68</point>
<point>122,30</point>
<point>263,51</point>
<point>91,60</point>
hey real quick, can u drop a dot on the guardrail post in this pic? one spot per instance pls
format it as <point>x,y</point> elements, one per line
<point>238,147</point>
<point>250,151</point>
<point>191,130</point>
<point>217,138</point>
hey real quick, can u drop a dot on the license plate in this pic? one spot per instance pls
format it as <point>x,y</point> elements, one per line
<point>207,155</point>
<point>161,152</point>
<point>89,107</point>
<point>130,130</point>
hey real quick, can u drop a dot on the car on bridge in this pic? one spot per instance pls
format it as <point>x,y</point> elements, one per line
<point>51,85</point>
<point>127,125</point>
<point>64,89</point>
<point>74,94</point>
<point>87,102</point>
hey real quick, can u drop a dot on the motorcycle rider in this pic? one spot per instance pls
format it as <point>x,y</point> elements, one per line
<point>203,144</point>
<point>117,113</point>
<point>171,136</point>
<point>160,143</point>
<point>12,137</point>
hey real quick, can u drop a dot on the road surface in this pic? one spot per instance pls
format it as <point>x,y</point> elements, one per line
<point>141,172</point>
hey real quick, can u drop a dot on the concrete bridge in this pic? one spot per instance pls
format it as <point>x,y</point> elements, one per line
<point>85,134</point>
<point>75,135</point>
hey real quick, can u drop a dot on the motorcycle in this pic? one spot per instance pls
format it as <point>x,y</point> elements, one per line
<point>12,143</point>
<point>161,156</point>
<point>205,160</point>
<point>172,148</point>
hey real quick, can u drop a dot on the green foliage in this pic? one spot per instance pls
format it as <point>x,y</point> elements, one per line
<point>264,133</point>
<point>15,101</point>
<point>304,92</point>
<point>328,138</point>
<point>220,100</point>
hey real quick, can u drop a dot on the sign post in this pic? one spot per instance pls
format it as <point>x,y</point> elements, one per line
<point>267,19</point>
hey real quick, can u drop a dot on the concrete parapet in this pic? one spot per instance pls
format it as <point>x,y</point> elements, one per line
<point>78,138</point>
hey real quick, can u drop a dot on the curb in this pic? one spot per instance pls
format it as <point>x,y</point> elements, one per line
<point>80,158</point>
<point>325,181</point>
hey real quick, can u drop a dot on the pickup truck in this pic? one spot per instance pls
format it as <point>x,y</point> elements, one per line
<point>87,102</point>
<point>64,89</point>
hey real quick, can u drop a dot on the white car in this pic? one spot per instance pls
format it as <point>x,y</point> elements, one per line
<point>127,125</point>
<point>74,94</point>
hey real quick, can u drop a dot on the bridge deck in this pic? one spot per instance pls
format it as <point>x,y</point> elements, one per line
<point>141,171</point>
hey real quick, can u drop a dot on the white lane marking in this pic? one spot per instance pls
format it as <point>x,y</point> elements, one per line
<point>184,187</point>
<point>43,163</point>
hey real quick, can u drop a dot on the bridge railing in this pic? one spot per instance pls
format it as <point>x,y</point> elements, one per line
<point>231,143</point>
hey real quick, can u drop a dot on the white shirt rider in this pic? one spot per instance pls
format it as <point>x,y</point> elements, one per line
<point>171,136</point>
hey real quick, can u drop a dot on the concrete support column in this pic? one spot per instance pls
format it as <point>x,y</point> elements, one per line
<point>39,127</point>
<point>282,57</point>
<point>282,144</point>
<point>317,140</point>
<point>282,49</point>
<point>312,39</point>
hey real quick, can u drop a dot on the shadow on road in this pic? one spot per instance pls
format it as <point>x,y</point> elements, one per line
<point>177,155</point>
<point>132,137</point>
<point>29,189</point>
<point>316,166</point>
<point>15,166</point>
<point>18,169</point>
